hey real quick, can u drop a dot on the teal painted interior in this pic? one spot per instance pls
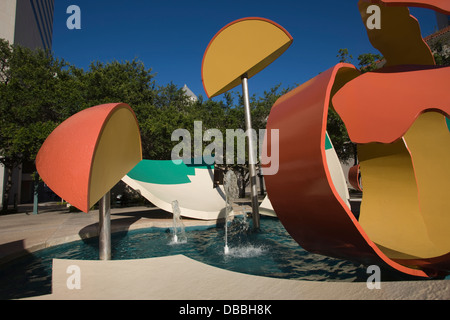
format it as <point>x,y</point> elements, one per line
<point>328,144</point>
<point>166,171</point>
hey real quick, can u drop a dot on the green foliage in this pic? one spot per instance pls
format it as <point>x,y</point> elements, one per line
<point>32,96</point>
<point>368,61</point>
<point>441,56</point>
<point>127,82</point>
<point>344,56</point>
<point>339,136</point>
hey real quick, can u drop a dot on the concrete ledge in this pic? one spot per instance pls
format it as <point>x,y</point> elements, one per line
<point>181,278</point>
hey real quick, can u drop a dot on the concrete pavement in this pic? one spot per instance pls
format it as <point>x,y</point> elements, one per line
<point>181,278</point>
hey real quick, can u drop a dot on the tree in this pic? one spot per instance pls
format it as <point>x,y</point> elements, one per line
<point>344,56</point>
<point>128,82</point>
<point>368,62</point>
<point>35,90</point>
<point>338,135</point>
<point>441,55</point>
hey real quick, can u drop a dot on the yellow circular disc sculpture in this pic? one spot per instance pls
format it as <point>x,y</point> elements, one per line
<point>244,46</point>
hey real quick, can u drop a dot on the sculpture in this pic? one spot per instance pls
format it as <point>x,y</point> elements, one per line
<point>396,115</point>
<point>391,114</point>
<point>236,53</point>
<point>163,181</point>
<point>86,155</point>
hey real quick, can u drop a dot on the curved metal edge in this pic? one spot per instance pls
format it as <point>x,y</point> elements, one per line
<point>436,5</point>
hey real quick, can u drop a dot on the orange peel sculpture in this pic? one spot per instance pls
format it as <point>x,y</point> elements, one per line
<point>396,115</point>
<point>86,155</point>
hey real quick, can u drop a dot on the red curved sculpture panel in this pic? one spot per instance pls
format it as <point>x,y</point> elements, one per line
<point>354,177</point>
<point>317,219</point>
<point>438,5</point>
<point>382,106</point>
<point>396,116</point>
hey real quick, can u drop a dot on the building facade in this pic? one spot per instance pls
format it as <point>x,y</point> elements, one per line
<point>443,21</point>
<point>28,23</point>
<point>439,42</point>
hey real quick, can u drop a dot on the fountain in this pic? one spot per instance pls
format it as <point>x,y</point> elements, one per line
<point>179,235</point>
<point>231,192</point>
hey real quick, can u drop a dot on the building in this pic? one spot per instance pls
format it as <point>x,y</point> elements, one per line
<point>188,92</point>
<point>28,23</point>
<point>439,42</point>
<point>443,21</point>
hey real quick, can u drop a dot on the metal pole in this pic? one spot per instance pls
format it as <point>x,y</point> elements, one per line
<point>104,227</point>
<point>251,158</point>
<point>35,194</point>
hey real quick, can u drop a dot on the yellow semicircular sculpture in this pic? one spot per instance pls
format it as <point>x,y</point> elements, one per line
<point>244,46</point>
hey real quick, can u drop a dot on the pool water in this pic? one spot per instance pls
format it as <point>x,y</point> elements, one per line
<point>271,252</point>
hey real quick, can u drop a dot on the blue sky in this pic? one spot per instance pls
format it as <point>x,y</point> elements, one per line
<point>170,36</point>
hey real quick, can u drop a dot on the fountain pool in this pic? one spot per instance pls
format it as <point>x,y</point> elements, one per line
<point>271,252</point>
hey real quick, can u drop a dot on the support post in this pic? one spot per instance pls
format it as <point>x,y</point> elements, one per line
<point>251,154</point>
<point>35,193</point>
<point>104,226</point>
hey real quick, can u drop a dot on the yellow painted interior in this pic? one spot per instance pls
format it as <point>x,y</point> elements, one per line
<point>406,183</point>
<point>429,143</point>
<point>118,151</point>
<point>390,212</point>
<point>399,38</point>
<point>247,46</point>
<point>406,191</point>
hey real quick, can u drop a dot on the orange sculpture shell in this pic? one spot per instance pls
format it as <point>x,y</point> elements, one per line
<point>396,115</point>
<point>86,155</point>
<point>393,99</point>
<point>354,176</point>
<point>438,5</point>
<point>318,219</point>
